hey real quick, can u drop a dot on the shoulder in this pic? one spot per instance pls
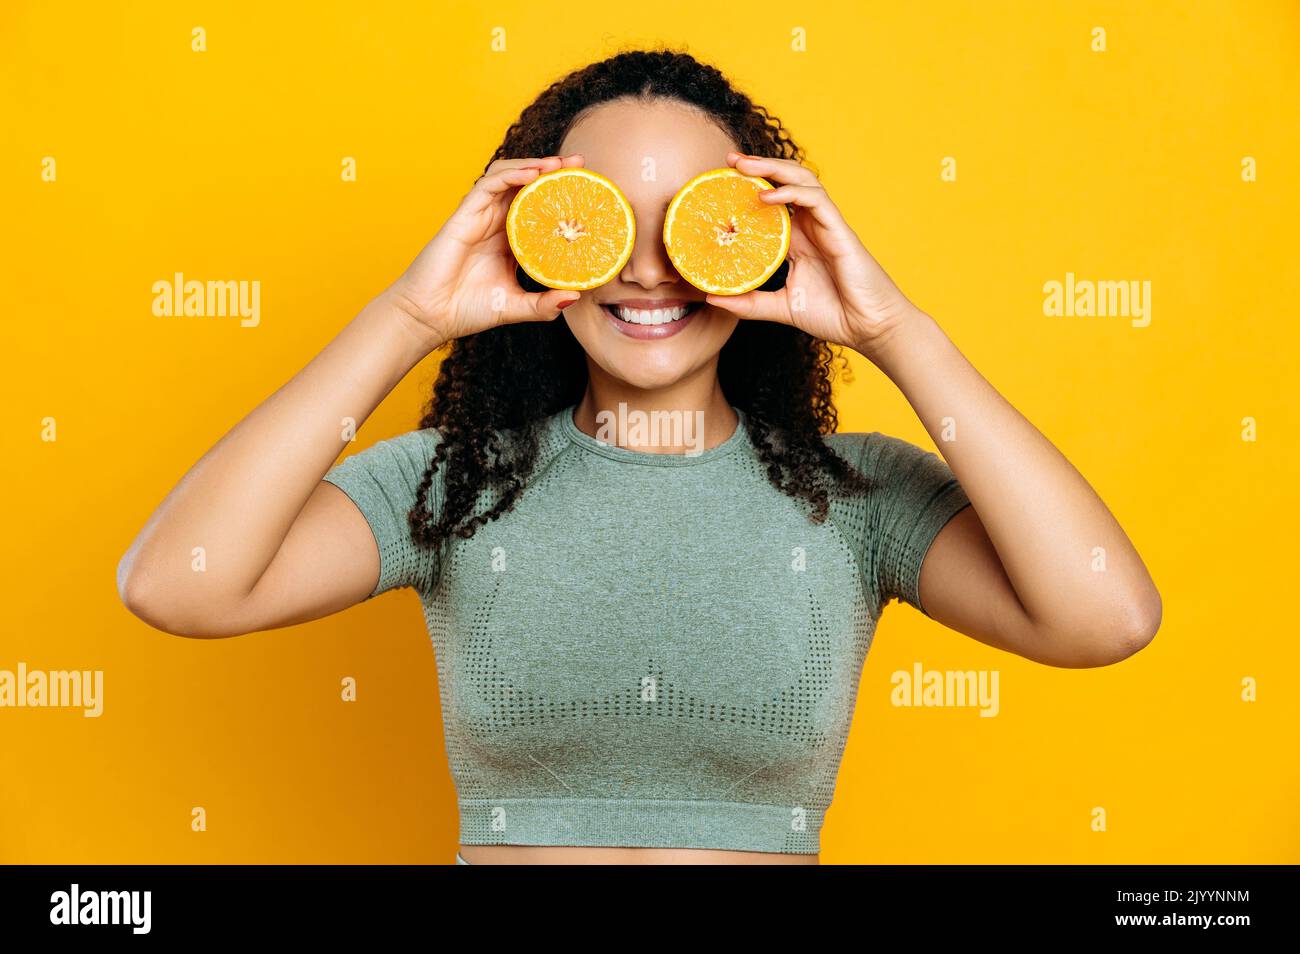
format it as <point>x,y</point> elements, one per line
<point>897,471</point>
<point>875,453</point>
<point>412,448</point>
<point>849,445</point>
<point>421,442</point>
<point>912,494</point>
<point>400,460</point>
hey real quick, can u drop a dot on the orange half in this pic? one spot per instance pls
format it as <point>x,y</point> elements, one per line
<point>721,237</point>
<point>571,229</point>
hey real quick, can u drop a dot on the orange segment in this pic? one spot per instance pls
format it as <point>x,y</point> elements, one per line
<point>721,237</point>
<point>571,228</point>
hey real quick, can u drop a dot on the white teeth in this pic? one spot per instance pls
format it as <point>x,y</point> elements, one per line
<point>658,316</point>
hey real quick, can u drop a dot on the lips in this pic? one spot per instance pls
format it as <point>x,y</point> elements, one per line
<point>651,318</point>
<point>657,313</point>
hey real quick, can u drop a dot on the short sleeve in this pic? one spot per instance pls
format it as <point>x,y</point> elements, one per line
<point>914,495</point>
<point>382,481</point>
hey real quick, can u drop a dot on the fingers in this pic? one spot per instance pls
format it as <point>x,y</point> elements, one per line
<point>492,186</point>
<point>812,198</point>
<point>545,163</point>
<point>799,188</point>
<point>796,185</point>
<point>775,170</point>
<point>756,305</point>
<point>506,174</point>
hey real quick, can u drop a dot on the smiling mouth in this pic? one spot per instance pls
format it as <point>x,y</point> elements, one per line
<point>651,316</point>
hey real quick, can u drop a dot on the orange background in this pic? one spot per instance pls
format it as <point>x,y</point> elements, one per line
<point>225,164</point>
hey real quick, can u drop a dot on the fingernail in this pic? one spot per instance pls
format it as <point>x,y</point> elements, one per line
<point>566,304</point>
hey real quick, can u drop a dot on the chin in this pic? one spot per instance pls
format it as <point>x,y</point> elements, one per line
<point>653,376</point>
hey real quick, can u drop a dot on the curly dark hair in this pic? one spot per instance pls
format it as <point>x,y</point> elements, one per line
<point>495,387</point>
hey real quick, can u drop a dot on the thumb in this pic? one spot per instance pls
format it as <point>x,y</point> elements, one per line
<point>539,306</point>
<point>761,306</point>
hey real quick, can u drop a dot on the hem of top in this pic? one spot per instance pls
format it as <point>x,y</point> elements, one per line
<point>641,823</point>
<point>946,506</point>
<point>384,583</point>
<point>586,442</point>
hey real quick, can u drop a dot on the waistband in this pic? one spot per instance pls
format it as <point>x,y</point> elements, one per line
<point>641,823</point>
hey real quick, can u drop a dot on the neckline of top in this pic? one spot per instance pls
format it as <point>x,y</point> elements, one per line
<point>738,439</point>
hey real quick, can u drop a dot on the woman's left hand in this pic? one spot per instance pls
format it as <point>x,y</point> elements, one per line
<point>834,289</point>
<point>1006,570</point>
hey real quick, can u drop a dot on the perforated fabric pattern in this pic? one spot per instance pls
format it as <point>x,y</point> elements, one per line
<point>382,482</point>
<point>915,495</point>
<point>652,650</point>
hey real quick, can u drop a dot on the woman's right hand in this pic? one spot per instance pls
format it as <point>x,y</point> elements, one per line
<point>464,280</point>
<point>296,548</point>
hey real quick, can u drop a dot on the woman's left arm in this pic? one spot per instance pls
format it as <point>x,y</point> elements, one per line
<point>1037,565</point>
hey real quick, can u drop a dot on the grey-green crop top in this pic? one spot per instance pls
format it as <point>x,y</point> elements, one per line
<point>654,650</point>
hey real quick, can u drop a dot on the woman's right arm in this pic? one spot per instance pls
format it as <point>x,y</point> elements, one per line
<point>252,538</point>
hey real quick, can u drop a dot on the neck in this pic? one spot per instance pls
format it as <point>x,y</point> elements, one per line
<point>690,416</point>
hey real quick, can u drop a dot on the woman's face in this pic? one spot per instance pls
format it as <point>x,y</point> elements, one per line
<point>650,150</point>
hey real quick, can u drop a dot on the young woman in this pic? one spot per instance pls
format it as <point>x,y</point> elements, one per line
<point>647,651</point>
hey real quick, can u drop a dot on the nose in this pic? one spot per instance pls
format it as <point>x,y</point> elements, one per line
<point>649,266</point>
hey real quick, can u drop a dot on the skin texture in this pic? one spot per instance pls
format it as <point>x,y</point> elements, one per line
<point>283,547</point>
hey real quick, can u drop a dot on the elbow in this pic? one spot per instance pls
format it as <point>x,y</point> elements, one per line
<point>1142,622</point>
<point>1134,628</point>
<point>1130,629</point>
<point>142,600</point>
<point>136,595</point>
<point>149,601</point>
